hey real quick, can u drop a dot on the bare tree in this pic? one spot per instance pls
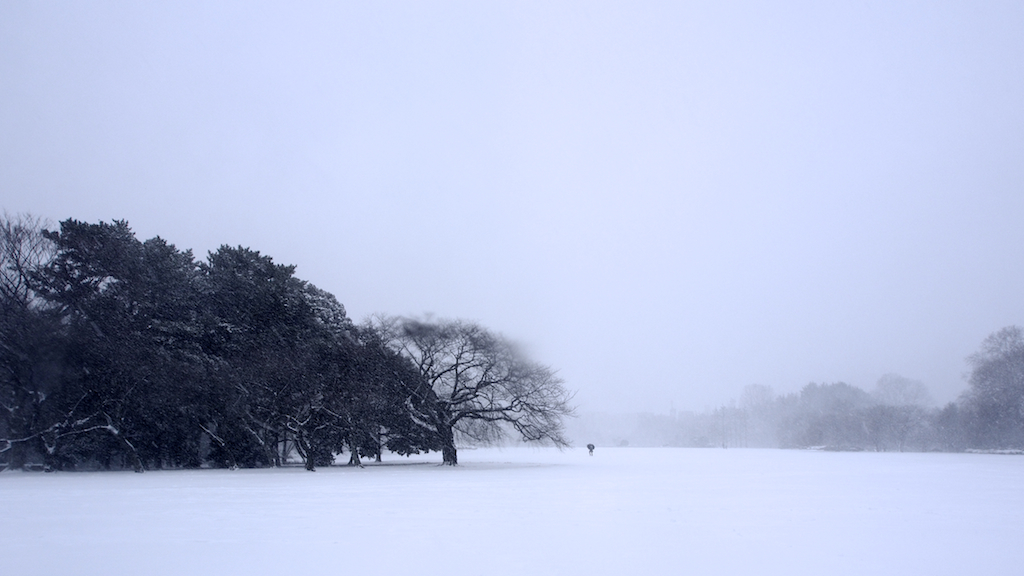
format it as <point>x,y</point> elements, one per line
<point>759,403</point>
<point>26,346</point>
<point>895,390</point>
<point>22,249</point>
<point>477,384</point>
<point>996,396</point>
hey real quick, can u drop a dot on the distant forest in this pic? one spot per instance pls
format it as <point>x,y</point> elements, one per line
<point>897,415</point>
<point>121,353</point>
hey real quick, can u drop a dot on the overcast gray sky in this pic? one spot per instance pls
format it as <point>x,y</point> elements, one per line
<point>666,201</point>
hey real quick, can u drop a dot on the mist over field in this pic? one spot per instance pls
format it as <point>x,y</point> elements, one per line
<point>664,202</point>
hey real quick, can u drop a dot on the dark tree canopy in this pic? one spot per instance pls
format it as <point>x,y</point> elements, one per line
<point>123,353</point>
<point>117,352</point>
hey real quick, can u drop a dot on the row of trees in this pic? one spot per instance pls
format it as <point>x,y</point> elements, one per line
<point>116,352</point>
<point>898,414</point>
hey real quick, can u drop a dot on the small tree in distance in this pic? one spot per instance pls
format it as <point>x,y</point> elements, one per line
<point>478,384</point>
<point>896,390</point>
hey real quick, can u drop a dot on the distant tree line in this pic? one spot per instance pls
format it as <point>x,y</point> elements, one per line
<point>121,353</point>
<point>896,415</point>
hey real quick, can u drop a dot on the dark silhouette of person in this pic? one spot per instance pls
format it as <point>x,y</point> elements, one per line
<point>591,448</point>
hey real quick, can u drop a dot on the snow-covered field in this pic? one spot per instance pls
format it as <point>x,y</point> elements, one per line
<point>532,511</point>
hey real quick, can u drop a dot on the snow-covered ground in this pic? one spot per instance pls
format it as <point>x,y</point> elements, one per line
<point>532,511</point>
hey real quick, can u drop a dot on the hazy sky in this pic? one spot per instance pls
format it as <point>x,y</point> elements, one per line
<point>666,201</point>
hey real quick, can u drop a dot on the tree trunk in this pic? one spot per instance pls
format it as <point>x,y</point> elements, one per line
<point>448,452</point>
<point>133,455</point>
<point>305,452</point>
<point>450,456</point>
<point>18,455</point>
<point>23,427</point>
<point>354,458</point>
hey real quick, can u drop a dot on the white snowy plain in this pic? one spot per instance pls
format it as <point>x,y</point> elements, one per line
<point>531,511</point>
